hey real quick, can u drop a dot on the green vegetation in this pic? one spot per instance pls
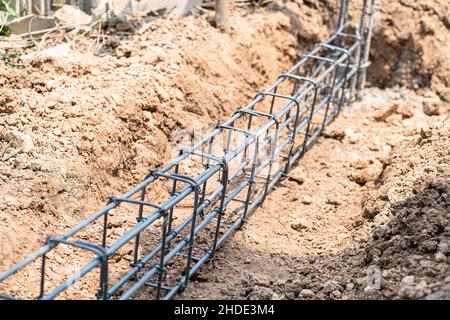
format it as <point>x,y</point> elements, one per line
<point>5,6</point>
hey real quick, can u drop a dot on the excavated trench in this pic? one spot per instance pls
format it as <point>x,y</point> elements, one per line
<point>363,215</point>
<point>97,124</point>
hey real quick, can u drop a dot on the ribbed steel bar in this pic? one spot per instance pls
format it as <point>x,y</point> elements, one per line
<point>186,210</point>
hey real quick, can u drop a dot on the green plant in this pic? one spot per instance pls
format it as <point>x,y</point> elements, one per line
<point>10,14</point>
<point>6,7</point>
<point>9,55</point>
<point>4,31</point>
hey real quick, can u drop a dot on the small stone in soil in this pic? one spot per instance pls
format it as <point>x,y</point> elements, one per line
<point>306,199</point>
<point>299,224</point>
<point>408,280</point>
<point>383,113</point>
<point>306,293</point>
<point>335,133</point>
<point>332,199</point>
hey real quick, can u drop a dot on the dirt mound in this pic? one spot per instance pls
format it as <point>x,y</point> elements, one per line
<point>97,124</point>
<point>413,197</point>
<point>410,46</point>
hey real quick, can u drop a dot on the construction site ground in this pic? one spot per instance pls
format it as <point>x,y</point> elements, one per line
<point>364,214</point>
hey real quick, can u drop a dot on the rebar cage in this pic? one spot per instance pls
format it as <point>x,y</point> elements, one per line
<point>180,215</point>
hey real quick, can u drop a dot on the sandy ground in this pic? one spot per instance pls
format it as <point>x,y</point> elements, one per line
<point>75,130</point>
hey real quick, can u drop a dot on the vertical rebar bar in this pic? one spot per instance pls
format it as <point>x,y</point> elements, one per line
<point>367,41</point>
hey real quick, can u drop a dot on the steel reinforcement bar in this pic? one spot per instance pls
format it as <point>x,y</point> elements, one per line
<point>186,210</point>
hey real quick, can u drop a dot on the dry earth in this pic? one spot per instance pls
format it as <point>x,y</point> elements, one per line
<point>368,203</point>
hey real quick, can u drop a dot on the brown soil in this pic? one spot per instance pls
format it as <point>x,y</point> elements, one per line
<point>410,45</point>
<point>350,208</point>
<point>93,126</point>
<point>77,129</point>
